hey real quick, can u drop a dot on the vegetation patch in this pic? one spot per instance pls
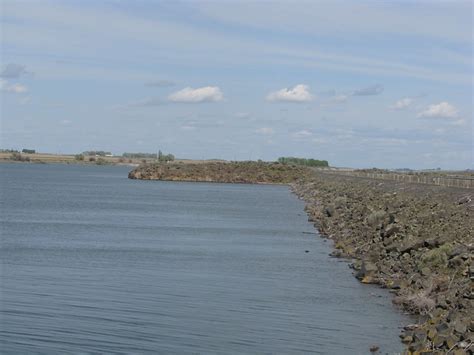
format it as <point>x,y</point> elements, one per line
<point>226,172</point>
<point>303,161</point>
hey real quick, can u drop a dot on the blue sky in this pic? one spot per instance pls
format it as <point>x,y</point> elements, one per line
<point>359,83</point>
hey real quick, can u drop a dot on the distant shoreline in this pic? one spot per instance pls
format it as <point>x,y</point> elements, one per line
<point>48,158</point>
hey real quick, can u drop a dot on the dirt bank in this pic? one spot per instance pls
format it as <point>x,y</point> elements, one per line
<point>414,239</point>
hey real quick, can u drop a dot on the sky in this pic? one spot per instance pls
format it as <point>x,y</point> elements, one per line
<point>361,84</point>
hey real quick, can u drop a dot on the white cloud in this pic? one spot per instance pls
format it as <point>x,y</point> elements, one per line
<point>300,93</point>
<point>302,134</point>
<point>402,104</point>
<point>204,94</point>
<point>12,88</point>
<point>441,110</point>
<point>266,131</point>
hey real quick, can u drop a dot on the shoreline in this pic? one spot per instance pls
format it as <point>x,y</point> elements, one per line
<point>414,239</point>
<point>40,162</point>
<point>389,232</point>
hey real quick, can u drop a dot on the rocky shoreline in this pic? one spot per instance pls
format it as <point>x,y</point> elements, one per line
<point>223,172</point>
<point>416,240</point>
<point>413,239</point>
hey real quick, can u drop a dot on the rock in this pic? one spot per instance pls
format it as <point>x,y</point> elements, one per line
<point>329,211</point>
<point>456,261</point>
<point>394,284</point>
<point>460,326</point>
<point>409,244</point>
<point>457,250</point>
<point>391,230</point>
<point>463,344</point>
<point>369,280</point>
<point>420,335</point>
<point>374,349</point>
<point>340,202</point>
<point>451,341</point>
<point>431,243</point>
<point>439,340</point>
<point>416,346</point>
<point>368,271</point>
<point>443,329</point>
<point>432,333</point>
<point>426,271</point>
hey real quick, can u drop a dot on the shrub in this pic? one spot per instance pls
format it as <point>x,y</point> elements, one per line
<point>436,258</point>
<point>18,157</point>
<point>303,161</point>
<point>419,302</point>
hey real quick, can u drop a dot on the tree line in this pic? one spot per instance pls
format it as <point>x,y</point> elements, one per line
<point>160,156</point>
<point>303,161</point>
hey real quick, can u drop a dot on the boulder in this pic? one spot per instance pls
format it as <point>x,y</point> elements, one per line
<point>368,272</point>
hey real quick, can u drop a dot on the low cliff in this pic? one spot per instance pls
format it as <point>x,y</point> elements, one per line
<point>226,172</point>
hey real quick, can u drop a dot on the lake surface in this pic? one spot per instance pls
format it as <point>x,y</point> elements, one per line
<point>93,262</point>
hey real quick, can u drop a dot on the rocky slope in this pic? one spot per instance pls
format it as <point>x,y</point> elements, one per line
<point>229,172</point>
<point>416,240</point>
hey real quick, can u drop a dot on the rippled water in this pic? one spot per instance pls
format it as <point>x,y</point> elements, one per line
<point>92,262</point>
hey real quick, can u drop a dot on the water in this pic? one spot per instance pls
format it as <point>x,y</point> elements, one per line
<point>92,262</point>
